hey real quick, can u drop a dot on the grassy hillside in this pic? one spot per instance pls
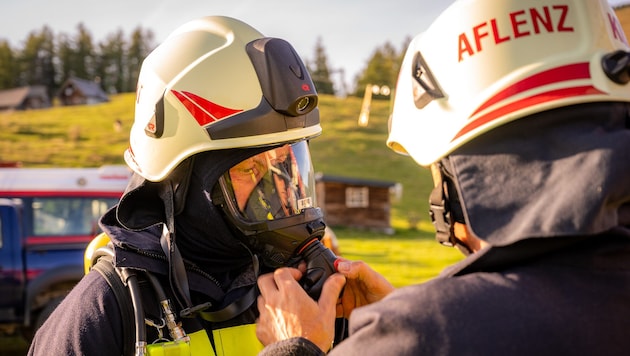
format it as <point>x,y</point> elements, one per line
<point>76,136</point>
<point>87,136</point>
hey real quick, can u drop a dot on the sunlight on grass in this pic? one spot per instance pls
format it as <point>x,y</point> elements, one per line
<point>407,257</point>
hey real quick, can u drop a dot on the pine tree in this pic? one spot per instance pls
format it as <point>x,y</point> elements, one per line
<point>320,72</point>
<point>8,66</point>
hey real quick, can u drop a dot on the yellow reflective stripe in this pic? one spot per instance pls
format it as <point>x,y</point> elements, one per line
<point>170,348</point>
<point>234,341</point>
<point>200,344</point>
<point>237,341</point>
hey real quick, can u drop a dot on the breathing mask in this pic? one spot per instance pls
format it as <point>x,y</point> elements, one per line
<point>269,199</point>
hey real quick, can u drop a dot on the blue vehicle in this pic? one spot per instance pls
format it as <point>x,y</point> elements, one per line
<point>47,218</point>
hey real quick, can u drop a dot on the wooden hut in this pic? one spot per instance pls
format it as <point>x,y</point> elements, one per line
<point>356,202</point>
<point>76,91</point>
<point>24,98</point>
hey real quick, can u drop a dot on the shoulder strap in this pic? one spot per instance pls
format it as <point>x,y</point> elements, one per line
<point>106,268</point>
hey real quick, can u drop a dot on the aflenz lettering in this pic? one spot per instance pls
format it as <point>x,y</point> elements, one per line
<point>523,23</point>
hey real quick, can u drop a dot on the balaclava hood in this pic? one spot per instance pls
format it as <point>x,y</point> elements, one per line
<point>559,173</point>
<point>201,232</point>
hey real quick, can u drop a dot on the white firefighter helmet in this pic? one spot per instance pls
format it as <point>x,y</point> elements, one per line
<point>483,63</point>
<point>217,83</point>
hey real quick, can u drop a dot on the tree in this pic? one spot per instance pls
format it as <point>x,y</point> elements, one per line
<point>8,66</point>
<point>37,58</point>
<point>84,50</point>
<point>76,55</point>
<point>141,45</point>
<point>320,72</point>
<point>382,68</point>
<point>111,63</point>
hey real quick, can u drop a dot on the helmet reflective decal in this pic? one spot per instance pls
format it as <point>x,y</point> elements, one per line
<point>552,76</point>
<point>204,111</point>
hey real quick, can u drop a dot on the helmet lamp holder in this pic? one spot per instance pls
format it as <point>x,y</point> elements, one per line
<point>284,79</point>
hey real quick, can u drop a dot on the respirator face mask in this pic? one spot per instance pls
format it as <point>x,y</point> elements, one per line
<point>270,199</point>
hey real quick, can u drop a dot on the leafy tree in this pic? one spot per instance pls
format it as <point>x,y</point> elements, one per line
<point>8,66</point>
<point>382,69</point>
<point>319,70</point>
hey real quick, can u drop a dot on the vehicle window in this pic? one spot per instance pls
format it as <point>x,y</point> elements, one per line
<point>68,216</point>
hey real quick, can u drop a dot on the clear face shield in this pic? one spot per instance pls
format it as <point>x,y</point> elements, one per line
<point>270,199</point>
<point>275,184</point>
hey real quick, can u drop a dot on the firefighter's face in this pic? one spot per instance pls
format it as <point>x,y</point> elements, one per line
<point>246,175</point>
<point>272,184</point>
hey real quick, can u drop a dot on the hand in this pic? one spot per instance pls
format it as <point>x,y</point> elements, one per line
<point>363,286</point>
<point>286,310</point>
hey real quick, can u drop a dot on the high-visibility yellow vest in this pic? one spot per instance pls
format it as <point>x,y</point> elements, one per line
<point>234,341</point>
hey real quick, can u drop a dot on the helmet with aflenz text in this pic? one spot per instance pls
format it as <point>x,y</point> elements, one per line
<point>484,63</point>
<point>217,83</point>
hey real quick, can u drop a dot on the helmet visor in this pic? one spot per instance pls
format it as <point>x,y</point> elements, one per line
<point>274,184</point>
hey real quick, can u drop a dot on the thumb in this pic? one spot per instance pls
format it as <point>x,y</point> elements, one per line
<point>296,273</point>
<point>331,291</point>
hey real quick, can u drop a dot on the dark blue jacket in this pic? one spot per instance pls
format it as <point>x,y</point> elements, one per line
<point>550,195</point>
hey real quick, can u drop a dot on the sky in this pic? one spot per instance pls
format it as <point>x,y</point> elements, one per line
<point>350,30</point>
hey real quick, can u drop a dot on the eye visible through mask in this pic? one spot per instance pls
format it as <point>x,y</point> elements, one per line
<point>273,184</point>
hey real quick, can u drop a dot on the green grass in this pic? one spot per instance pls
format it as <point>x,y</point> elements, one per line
<point>85,136</point>
<point>76,136</point>
<point>408,257</point>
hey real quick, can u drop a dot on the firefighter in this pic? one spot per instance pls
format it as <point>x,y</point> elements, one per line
<point>222,191</point>
<point>522,112</point>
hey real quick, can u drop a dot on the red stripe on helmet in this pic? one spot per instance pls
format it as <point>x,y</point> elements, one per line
<point>204,111</point>
<point>554,75</point>
<point>550,96</point>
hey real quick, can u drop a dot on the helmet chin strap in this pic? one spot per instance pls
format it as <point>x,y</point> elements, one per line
<point>438,208</point>
<point>440,211</point>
